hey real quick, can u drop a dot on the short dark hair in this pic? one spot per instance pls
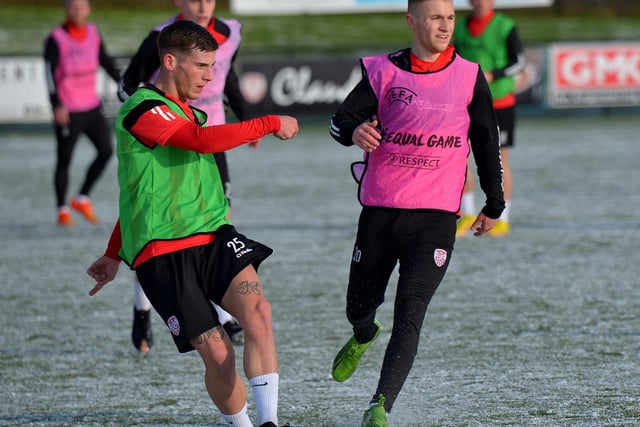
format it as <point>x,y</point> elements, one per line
<point>182,37</point>
<point>411,3</point>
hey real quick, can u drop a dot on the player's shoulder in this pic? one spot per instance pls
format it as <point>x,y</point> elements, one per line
<point>504,20</point>
<point>221,26</point>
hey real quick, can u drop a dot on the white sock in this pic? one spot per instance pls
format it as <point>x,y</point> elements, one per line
<point>468,206</point>
<point>223,316</point>
<point>142,303</point>
<point>82,198</point>
<point>241,419</point>
<point>265,393</point>
<point>506,211</point>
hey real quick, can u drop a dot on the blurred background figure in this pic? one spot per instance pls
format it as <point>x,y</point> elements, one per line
<point>73,54</point>
<point>490,38</point>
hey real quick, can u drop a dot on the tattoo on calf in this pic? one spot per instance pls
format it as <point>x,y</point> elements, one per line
<point>248,288</point>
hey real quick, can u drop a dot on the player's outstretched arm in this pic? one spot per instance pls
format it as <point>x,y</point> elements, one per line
<point>288,127</point>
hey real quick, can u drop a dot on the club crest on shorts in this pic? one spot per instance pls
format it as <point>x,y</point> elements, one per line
<point>439,257</point>
<point>174,325</point>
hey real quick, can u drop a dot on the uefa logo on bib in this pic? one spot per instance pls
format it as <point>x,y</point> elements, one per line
<point>439,257</point>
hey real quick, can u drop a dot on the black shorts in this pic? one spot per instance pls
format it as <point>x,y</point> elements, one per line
<point>421,241</point>
<point>506,120</point>
<point>181,285</point>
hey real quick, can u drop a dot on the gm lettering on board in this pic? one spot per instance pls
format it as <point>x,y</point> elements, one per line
<point>606,66</point>
<point>598,74</point>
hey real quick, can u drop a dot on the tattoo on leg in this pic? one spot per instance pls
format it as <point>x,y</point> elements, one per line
<point>248,288</point>
<point>215,334</point>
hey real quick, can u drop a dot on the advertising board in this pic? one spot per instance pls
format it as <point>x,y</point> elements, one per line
<point>25,95</point>
<point>318,86</point>
<point>593,75</point>
<point>293,7</point>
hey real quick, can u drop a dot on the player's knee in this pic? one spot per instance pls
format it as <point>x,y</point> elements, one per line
<point>223,374</point>
<point>258,319</point>
<point>219,359</point>
<point>105,153</point>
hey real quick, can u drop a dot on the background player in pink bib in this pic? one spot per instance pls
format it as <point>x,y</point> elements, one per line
<point>73,53</point>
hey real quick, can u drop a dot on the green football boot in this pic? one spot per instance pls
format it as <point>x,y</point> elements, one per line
<point>375,416</point>
<point>347,359</point>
